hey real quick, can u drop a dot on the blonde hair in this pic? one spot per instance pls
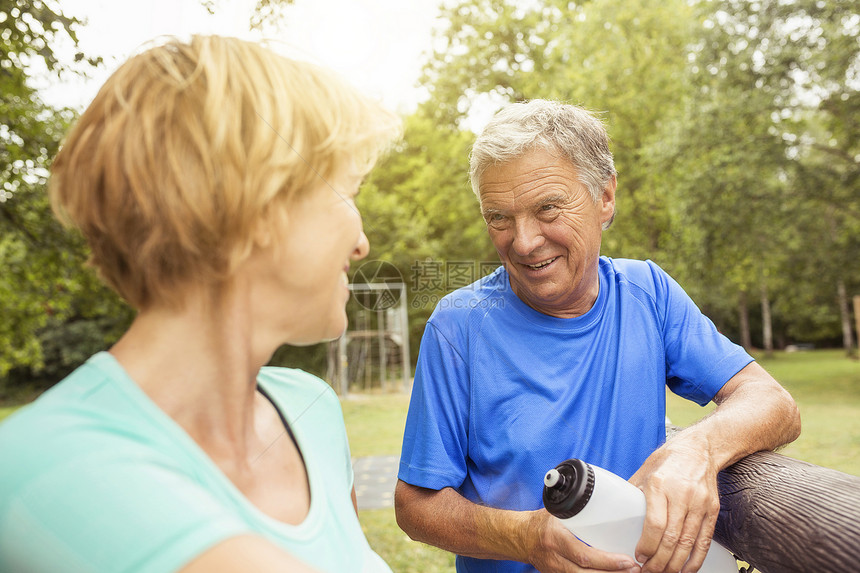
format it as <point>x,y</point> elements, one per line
<point>188,147</point>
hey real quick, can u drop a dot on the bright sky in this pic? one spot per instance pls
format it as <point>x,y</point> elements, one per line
<point>379,45</point>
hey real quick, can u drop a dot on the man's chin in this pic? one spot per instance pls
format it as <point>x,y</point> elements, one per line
<point>535,298</point>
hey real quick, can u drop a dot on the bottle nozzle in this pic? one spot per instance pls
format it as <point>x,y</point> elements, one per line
<point>551,478</point>
<point>568,488</point>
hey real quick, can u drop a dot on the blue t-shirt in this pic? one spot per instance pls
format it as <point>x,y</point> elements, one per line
<point>504,393</point>
<point>96,478</point>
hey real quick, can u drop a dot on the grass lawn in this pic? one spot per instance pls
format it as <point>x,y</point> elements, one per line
<point>826,387</point>
<point>375,424</point>
<point>401,553</point>
<point>824,383</point>
<point>6,410</point>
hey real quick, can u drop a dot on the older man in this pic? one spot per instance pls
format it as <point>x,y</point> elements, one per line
<point>561,353</point>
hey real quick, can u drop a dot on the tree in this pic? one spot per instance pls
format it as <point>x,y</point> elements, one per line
<point>726,160</point>
<point>266,12</point>
<point>829,143</point>
<point>422,217</point>
<point>43,275</point>
<point>626,59</point>
<point>56,313</point>
<point>757,208</point>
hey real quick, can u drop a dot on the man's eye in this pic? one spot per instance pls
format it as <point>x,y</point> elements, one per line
<point>549,207</point>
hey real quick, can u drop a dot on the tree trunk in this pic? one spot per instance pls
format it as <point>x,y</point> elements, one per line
<point>845,316</point>
<point>857,319</point>
<point>783,515</point>
<point>744,316</point>
<point>766,321</point>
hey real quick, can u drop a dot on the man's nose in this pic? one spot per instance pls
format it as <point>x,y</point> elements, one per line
<point>528,236</point>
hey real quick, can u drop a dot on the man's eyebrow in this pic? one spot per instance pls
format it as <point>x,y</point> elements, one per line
<point>555,198</point>
<point>552,199</point>
<point>486,212</point>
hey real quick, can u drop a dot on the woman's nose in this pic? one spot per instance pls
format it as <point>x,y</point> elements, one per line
<point>362,248</point>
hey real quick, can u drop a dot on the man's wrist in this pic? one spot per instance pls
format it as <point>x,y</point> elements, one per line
<point>510,534</point>
<point>531,532</point>
<point>702,443</point>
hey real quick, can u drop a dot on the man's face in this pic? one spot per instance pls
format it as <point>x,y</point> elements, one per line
<point>546,229</point>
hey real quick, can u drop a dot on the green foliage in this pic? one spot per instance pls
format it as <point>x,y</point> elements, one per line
<point>54,311</point>
<point>733,127</point>
<point>421,216</point>
<point>728,217</point>
<point>28,29</point>
<point>6,411</point>
<point>762,194</point>
<point>418,202</point>
<point>308,358</point>
<point>625,59</point>
<point>266,12</point>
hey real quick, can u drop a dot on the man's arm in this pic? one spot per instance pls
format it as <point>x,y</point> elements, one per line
<point>446,519</point>
<point>753,413</point>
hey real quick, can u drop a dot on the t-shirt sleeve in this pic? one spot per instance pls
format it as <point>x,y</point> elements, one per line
<point>109,512</point>
<point>435,441</point>
<point>699,359</point>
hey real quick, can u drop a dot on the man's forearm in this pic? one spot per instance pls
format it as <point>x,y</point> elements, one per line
<point>679,479</point>
<point>753,413</point>
<point>447,520</point>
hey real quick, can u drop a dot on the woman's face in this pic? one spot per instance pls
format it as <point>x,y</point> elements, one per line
<point>310,259</point>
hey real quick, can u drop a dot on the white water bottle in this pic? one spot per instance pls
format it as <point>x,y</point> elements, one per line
<point>608,512</point>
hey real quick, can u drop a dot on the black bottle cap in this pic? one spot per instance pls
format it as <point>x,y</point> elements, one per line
<point>567,493</point>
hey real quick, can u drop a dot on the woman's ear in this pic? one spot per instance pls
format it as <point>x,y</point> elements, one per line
<point>273,223</point>
<point>262,235</point>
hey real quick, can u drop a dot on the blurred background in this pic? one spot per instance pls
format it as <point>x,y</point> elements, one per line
<point>734,127</point>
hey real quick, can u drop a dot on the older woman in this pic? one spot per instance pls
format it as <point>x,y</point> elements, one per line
<point>215,183</point>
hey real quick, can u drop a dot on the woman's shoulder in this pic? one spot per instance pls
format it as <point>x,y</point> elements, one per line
<point>84,402</point>
<point>289,379</point>
<point>294,388</point>
<point>93,414</point>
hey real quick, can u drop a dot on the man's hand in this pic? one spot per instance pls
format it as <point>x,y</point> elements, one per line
<point>753,413</point>
<point>555,549</point>
<point>446,519</point>
<point>680,485</point>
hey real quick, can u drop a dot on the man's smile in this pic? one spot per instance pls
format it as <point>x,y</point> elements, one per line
<point>541,264</point>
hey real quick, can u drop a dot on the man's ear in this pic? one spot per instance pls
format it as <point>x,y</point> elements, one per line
<point>608,203</point>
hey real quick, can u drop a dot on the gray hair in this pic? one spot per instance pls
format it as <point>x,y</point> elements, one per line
<point>570,130</point>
